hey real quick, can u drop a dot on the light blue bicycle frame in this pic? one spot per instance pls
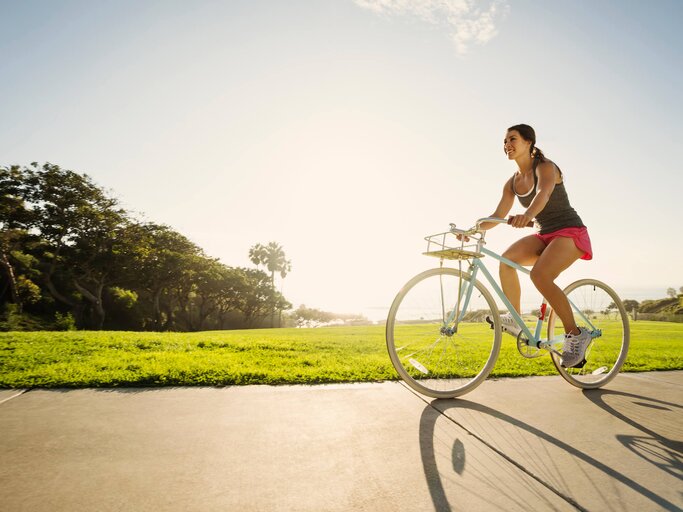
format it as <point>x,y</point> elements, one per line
<point>535,339</point>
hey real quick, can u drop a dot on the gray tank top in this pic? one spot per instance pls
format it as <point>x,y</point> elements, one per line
<point>557,213</point>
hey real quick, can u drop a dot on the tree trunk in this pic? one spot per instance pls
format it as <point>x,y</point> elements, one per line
<point>96,299</point>
<point>168,324</point>
<point>14,289</point>
<point>204,312</point>
<point>188,318</point>
<point>157,309</point>
<point>51,286</point>
<point>272,284</point>
<point>184,309</point>
<point>56,294</point>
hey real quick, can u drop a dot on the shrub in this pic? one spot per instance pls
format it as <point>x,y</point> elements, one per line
<point>65,322</point>
<point>12,320</point>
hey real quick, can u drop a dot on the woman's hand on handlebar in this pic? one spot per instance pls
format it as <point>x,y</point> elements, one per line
<point>459,234</point>
<point>520,221</point>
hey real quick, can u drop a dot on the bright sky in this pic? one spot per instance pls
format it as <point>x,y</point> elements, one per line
<point>348,130</point>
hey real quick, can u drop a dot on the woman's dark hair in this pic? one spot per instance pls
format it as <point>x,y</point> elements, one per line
<point>529,135</point>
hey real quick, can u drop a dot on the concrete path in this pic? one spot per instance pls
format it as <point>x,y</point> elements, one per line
<point>512,444</point>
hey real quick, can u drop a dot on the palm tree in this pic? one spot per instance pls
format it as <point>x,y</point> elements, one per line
<point>272,256</point>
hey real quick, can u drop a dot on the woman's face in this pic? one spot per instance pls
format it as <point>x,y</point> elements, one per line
<point>514,145</point>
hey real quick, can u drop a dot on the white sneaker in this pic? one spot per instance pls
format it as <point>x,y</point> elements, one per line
<point>507,323</point>
<point>574,348</point>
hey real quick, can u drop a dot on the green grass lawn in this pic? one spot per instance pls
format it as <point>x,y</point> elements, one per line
<point>268,356</point>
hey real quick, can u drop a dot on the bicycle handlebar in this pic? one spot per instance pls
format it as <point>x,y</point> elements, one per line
<point>498,220</point>
<point>492,220</point>
<point>477,226</point>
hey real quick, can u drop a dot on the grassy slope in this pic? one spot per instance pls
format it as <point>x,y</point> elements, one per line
<point>273,356</point>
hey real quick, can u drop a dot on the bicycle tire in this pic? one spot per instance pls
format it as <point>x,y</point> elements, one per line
<point>464,358</point>
<point>606,354</point>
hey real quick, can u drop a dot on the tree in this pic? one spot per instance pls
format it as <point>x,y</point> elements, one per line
<point>208,288</point>
<point>16,219</point>
<point>272,256</point>
<point>78,223</point>
<point>259,298</point>
<point>97,261</point>
<point>611,308</point>
<point>311,317</point>
<point>671,292</point>
<point>157,260</point>
<point>233,285</point>
<point>68,250</point>
<point>632,306</point>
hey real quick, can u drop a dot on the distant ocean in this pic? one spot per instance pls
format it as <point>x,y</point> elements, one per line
<point>532,300</point>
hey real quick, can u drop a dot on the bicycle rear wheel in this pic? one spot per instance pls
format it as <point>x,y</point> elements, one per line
<point>599,308</point>
<point>440,343</point>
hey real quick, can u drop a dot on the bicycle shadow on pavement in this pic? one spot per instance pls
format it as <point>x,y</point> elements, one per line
<point>470,476</point>
<point>656,446</point>
<point>543,450</point>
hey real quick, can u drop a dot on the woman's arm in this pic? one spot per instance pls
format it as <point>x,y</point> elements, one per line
<point>546,184</point>
<point>504,206</point>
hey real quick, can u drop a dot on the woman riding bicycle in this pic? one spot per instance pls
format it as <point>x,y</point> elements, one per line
<point>562,239</point>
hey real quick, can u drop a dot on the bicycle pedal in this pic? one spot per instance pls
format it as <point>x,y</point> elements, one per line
<point>581,364</point>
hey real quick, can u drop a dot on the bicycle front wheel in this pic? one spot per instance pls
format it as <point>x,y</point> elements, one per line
<point>597,307</point>
<point>437,335</point>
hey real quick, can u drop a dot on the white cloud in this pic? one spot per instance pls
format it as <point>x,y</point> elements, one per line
<point>468,22</point>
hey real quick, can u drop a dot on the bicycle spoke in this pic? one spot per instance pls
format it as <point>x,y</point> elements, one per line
<point>449,357</point>
<point>602,312</point>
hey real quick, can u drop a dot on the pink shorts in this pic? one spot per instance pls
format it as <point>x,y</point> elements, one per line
<point>579,235</point>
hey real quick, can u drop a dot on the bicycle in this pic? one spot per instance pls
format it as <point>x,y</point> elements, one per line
<point>443,330</point>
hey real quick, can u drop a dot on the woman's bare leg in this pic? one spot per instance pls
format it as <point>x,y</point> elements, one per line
<point>525,251</point>
<point>557,257</point>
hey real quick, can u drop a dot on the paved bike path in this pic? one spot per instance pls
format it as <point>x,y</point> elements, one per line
<point>512,444</point>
